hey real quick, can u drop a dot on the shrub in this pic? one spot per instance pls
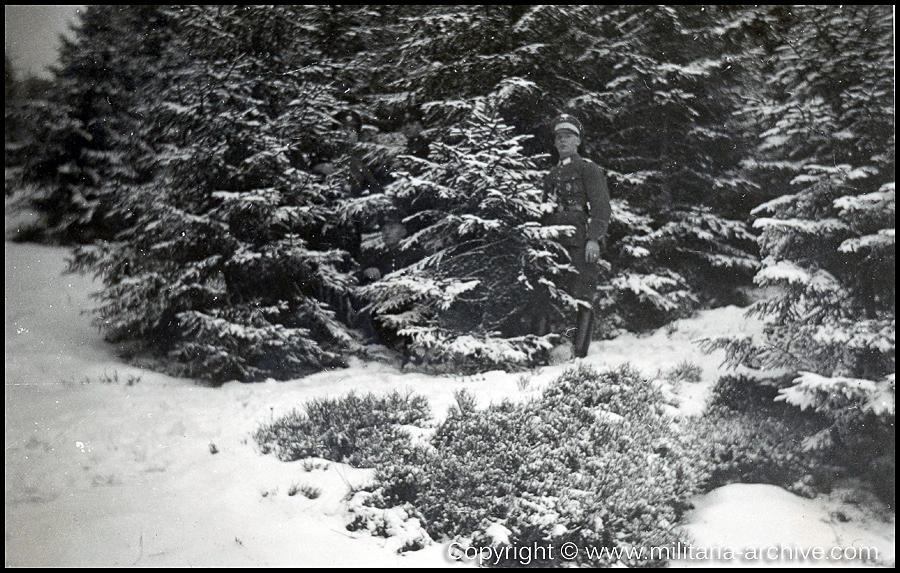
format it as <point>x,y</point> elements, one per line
<point>305,490</point>
<point>594,461</point>
<point>746,437</point>
<point>684,372</point>
<point>363,431</point>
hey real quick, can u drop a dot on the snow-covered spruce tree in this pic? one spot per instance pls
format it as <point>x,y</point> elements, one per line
<point>452,52</point>
<point>656,94</point>
<point>361,42</point>
<point>658,91</point>
<point>88,129</point>
<point>684,253</point>
<point>756,177</point>
<point>828,241</point>
<point>821,94</point>
<point>25,104</point>
<point>472,209</point>
<point>219,275</point>
<point>654,268</point>
<point>12,122</point>
<point>18,132</point>
<point>830,316</point>
<point>447,53</point>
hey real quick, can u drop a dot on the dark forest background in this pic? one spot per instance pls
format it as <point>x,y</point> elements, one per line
<point>178,150</point>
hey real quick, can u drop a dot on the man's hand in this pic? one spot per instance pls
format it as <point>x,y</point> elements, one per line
<point>592,251</point>
<point>325,168</point>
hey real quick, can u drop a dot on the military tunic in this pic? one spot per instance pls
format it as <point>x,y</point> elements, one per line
<point>577,187</point>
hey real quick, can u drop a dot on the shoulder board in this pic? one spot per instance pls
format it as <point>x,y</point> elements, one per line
<point>591,162</point>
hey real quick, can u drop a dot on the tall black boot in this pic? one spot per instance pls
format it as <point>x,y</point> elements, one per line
<point>541,324</point>
<point>584,327</point>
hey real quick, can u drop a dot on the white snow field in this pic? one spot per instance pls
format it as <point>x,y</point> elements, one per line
<point>108,464</point>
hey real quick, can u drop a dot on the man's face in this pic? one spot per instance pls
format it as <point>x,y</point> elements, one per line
<point>392,234</point>
<point>411,128</point>
<point>350,133</point>
<point>567,143</point>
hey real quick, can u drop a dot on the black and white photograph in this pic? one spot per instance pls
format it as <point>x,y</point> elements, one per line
<point>449,286</point>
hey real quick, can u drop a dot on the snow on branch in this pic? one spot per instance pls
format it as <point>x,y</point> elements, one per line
<point>811,390</point>
<point>788,272</point>
<point>823,227</point>
<point>883,239</point>
<point>773,205</point>
<point>881,199</point>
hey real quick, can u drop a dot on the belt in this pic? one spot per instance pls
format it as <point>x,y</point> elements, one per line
<point>561,208</point>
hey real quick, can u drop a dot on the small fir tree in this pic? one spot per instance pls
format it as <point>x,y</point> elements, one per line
<point>88,129</point>
<point>828,244</point>
<point>472,209</point>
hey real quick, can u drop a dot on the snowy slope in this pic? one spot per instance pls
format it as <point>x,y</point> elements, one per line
<point>111,465</point>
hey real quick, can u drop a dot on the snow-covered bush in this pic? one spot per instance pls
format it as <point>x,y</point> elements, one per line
<point>594,461</point>
<point>404,531</point>
<point>363,431</point>
<point>744,436</point>
<point>684,371</point>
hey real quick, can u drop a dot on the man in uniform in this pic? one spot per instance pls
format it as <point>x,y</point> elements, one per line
<point>351,178</point>
<point>411,127</point>
<point>362,180</point>
<point>577,188</point>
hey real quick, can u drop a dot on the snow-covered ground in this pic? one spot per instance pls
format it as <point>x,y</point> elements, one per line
<point>111,465</point>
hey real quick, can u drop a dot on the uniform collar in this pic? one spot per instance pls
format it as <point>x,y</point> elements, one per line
<point>569,159</point>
